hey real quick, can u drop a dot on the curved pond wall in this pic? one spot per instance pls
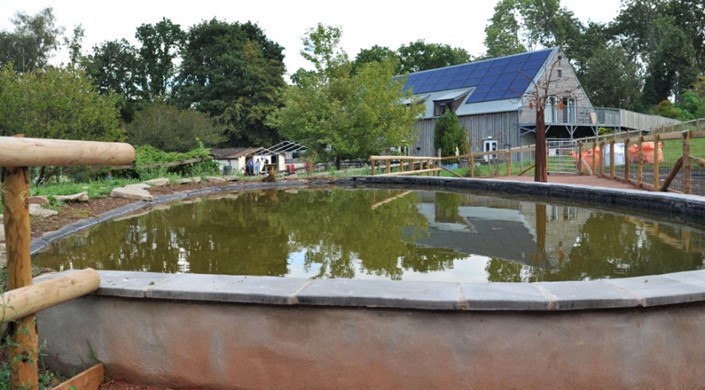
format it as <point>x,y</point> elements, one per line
<point>186,330</point>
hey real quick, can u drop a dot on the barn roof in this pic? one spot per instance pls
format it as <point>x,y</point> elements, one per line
<point>491,85</point>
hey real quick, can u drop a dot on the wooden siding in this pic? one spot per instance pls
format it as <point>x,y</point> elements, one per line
<point>502,126</point>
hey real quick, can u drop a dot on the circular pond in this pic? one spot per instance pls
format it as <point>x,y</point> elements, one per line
<point>397,234</point>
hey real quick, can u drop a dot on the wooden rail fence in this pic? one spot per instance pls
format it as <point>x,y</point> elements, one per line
<point>23,299</point>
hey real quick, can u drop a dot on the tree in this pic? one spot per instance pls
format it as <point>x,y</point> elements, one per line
<point>31,44</point>
<point>56,103</point>
<point>114,68</point>
<point>160,47</point>
<point>419,55</point>
<point>611,78</point>
<point>233,73</point>
<point>502,33</point>
<point>170,129</point>
<point>375,54</point>
<point>342,115</point>
<point>449,135</point>
<point>668,38</point>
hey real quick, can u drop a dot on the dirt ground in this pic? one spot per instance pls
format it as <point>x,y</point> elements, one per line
<point>72,212</point>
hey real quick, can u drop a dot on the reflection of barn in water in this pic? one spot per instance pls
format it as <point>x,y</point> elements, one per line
<point>498,227</point>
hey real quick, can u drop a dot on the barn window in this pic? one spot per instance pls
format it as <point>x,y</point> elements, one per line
<point>560,73</point>
<point>549,111</point>
<point>570,114</point>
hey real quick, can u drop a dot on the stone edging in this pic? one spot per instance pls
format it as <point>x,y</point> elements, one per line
<point>647,291</point>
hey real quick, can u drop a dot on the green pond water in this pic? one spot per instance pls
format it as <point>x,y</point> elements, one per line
<point>382,234</point>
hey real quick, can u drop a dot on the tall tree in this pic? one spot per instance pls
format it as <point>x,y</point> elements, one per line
<point>612,79</point>
<point>375,54</point>
<point>502,33</point>
<point>31,44</point>
<point>234,73</point>
<point>668,37</point>
<point>419,55</point>
<point>342,115</point>
<point>160,45</point>
<point>114,68</point>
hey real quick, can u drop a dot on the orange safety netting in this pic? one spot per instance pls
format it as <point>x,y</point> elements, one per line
<point>647,152</point>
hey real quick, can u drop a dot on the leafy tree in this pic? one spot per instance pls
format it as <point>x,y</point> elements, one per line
<point>233,73</point>
<point>375,54</point>
<point>668,38</point>
<point>502,33</point>
<point>449,135</point>
<point>160,47</point>
<point>114,68</point>
<point>339,114</point>
<point>611,78</point>
<point>170,129</point>
<point>31,44</point>
<point>419,55</point>
<point>56,103</point>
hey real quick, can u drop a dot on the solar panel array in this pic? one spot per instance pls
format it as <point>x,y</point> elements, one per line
<point>493,79</point>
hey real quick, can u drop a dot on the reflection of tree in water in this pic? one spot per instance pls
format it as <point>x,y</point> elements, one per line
<point>610,246</point>
<point>343,226</point>
<point>252,233</point>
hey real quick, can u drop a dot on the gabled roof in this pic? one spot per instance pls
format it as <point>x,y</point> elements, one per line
<point>488,80</point>
<point>231,153</point>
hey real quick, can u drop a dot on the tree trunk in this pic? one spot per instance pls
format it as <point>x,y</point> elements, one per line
<point>540,171</point>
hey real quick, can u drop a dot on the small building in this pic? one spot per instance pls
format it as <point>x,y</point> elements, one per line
<point>495,100</point>
<point>232,160</point>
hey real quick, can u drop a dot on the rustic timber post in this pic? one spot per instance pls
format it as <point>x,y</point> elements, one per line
<point>640,163</point>
<point>580,158</point>
<point>687,171</point>
<point>16,155</point>
<point>602,158</point>
<point>389,165</point>
<point>613,169</point>
<point>657,179</point>
<point>594,155</point>
<point>627,157</point>
<point>471,164</point>
<point>509,162</point>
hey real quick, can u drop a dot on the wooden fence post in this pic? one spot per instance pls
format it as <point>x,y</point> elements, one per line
<point>471,164</point>
<point>372,166</point>
<point>602,158</point>
<point>580,158</point>
<point>626,161</point>
<point>657,179</point>
<point>613,169</point>
<point>509,162</point>
<point>22,351</point>
<point>687,171</point>
<point>640,163</point>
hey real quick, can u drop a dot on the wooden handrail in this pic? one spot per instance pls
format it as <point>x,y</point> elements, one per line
<point>38,152</point>
<point>23,301</point>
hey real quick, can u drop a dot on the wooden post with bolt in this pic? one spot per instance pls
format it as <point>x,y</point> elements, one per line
<point>16,155</point>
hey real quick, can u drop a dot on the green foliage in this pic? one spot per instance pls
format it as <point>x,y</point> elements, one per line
<point>56,103</point>
<point>343,115</point>
<point>233,73</point>
<point>449,134</point>
<point>612,78</point>
<point>159,50</point>
<point>502,33</point>
<point>148,159</point>
<point>30,45</point>
<point>114,67</point>
<point>419,55</point>
<point>170,129</point>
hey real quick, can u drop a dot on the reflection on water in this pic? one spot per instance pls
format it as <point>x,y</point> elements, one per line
<point>382,234</point>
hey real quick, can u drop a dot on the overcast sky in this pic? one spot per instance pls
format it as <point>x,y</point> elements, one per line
<point>364,23</point>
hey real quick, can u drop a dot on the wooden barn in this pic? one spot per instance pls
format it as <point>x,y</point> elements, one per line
<point>495,100</point>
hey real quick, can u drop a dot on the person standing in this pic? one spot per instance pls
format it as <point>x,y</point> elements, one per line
<point>258,166</point>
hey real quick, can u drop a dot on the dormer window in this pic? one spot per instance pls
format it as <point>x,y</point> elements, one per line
<point>450,101</point>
